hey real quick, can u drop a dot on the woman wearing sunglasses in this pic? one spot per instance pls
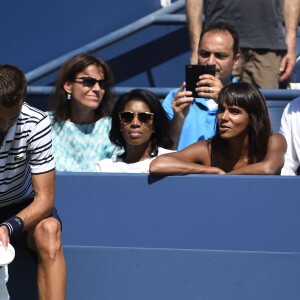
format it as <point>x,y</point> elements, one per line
<point>141,126</point>
<point>80,112</point>
<point>243,143</point>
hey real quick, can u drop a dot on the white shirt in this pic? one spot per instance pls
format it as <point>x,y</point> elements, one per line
<point>117,165</point>
<point>290,128</point>
<point>25,150</point>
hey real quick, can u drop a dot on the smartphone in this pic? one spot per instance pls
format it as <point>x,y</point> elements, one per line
<point>192,73</point>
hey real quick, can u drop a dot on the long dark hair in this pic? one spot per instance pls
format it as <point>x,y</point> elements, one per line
<point>160,136</point>
<point>60,106</point>
<point>248,97</point>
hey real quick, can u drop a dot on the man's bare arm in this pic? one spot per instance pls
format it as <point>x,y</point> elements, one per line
<point>291,19</point>
<point>194,9</point>
<point>41,207</point>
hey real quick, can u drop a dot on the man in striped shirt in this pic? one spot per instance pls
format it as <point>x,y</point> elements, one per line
<point>27,176</point>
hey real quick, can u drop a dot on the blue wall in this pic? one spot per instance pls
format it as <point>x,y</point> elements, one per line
<point>34,33</point>
<point>133,236</point>
<point>249,213</point>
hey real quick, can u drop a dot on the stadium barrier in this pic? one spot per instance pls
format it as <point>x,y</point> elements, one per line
<point>135,236</point>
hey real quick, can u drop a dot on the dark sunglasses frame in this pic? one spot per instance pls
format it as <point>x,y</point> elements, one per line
<point>90,82</point>
<point>126,117</point>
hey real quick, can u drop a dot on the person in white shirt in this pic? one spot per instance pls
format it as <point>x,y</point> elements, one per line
<point>141,126</point>
<point>27,183</point>
<point>290,128</point>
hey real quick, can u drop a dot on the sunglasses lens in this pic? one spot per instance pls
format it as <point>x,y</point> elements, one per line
<point>145,118</point>
<point>102,84</point>
<point>88,81</point>
<point>126,117</point>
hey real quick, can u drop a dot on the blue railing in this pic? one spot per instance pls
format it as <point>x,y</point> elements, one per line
<point>281,95</point>
<point>162,16</point>
<point>159,17</point>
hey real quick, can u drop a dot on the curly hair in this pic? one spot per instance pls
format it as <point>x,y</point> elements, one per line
<point>160,137</point>
<point>60,106</point>
<point>13,85</point>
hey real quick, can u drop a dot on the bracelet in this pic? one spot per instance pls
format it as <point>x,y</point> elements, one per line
<point>14,225</point>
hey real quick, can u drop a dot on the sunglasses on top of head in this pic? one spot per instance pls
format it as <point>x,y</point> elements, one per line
<point>126,117</point>
<point>90,82</point>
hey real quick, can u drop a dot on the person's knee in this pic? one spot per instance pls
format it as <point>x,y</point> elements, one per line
<point>47,237</point>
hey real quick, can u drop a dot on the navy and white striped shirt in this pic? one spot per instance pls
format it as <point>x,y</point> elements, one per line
<point>25,150</point>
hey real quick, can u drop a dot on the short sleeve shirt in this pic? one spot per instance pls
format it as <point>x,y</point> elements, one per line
<point>198,125</point>
<point>117,165</point>
<point>25,150</point>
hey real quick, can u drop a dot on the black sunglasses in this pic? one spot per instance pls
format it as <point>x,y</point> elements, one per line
<point>126,117</point>
<point>90,82</point>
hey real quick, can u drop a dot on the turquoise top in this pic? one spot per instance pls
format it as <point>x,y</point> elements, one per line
<point>79,147</point>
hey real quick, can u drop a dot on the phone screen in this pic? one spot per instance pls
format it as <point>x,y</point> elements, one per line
<point>192,73</point>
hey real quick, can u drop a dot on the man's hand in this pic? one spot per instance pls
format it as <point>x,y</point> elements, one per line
<point>4,237</point>
<point>209,87</point>
<point>287,65</point>
<point>181,107</point>
<point>181,102</point>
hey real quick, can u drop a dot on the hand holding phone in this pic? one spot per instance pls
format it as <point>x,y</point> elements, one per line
<point>192,73</point>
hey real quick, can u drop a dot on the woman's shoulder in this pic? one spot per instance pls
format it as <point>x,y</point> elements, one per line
<point>277,137</point>
<point>105,120</point>
<point>107,164</point>
<point>199,152</point>
<point>277,140</point>
<point>204,144</point>
<point>117,165</point>
<point>104,123</point>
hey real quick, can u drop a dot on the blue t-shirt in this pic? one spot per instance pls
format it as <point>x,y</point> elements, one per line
<point>199,124</point>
